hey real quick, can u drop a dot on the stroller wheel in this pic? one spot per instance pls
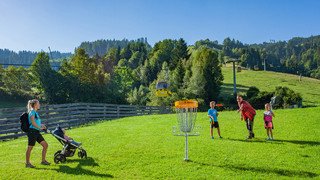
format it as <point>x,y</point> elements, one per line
<point>82,154</point>
<point>58,152</point>
<point>59,158</point>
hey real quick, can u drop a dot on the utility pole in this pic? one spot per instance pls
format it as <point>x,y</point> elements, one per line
<point>50,52</point>
<point>234,75</point>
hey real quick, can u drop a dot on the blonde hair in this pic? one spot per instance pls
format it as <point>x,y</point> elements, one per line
<point>266,106</point>
<point>31,104</point>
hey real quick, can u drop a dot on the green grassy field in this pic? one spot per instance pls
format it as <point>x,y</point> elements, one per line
<point>267,81</point>
<point>144,148</point>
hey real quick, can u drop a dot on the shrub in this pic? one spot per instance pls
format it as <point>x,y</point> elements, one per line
<point>285,97</point>
<point>260,99</point>
<point>252,92</point>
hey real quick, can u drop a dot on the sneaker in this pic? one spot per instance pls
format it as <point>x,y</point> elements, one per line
<point>221,137</point>
<point>212,137</point>
<point>249,137</point>
<point>45,163</point>
<point>29,165</point>
<point>268,139</point>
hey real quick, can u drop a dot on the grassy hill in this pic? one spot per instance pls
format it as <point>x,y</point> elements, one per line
<point>144,148</point>
<point>309,88</point>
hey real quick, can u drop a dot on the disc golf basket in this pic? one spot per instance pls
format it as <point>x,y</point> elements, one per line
<point>186,115</point>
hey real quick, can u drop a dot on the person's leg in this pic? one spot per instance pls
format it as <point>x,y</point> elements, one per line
<point>44,145</point>
<point>249,128</point>
<point>211,129</point>
<point>271,135</point>
<point>247,125</point>
<point>28,154</point>
<point>31,142</point>
<point>218,128</point>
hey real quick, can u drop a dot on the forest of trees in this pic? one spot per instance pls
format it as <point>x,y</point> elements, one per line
<point>123,75</point>
<point>26,57</point>
<point>101,47</point>
<point>126,72</point>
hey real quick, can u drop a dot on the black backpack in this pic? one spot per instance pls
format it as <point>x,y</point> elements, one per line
<point>24,121</point>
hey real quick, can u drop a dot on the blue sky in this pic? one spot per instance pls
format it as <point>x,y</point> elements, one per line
<point>64,24</point>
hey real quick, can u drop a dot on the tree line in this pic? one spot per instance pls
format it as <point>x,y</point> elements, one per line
<point>126,72</point>
<point>27,57</point>
<point>296,56</point>
<point>123,75</point>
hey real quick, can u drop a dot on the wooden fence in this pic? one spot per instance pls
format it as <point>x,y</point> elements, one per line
<point>70,115</point>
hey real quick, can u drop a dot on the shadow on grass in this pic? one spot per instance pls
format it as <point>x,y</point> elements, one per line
<point>254,140</point>
<point>63,168</point>
<point>227,88</point>
<point>278,141</point>
<point>239,86</point>
<point>281,172</point>
<point>299,142</point>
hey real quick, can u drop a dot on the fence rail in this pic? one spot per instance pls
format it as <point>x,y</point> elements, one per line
<point>70,115</point>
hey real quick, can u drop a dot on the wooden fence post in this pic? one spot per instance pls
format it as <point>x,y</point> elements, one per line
<point>104,111</point>
<point>118,111</point>
<point>87,113</point>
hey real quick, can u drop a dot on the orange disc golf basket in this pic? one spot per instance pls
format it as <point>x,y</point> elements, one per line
<point>186,115</point>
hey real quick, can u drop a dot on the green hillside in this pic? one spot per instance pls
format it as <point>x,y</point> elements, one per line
<point>309,88</point>
<point>144,148</point>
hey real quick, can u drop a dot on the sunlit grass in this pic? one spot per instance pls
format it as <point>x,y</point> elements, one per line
<point>309,88</point>
<point>144,147</point>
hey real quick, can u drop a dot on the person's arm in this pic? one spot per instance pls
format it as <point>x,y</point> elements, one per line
<point>240,108</point>
<point>272,114</point>
<point>209,114</point>
<point>33,122</point>
<point>211,117</point>
<point>241,117</point>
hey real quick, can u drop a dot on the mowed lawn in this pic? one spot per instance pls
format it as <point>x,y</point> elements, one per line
<point>309,88</point>
<point>145,148</point>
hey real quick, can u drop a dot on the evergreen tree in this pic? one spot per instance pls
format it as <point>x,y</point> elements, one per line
<point>206,76</point>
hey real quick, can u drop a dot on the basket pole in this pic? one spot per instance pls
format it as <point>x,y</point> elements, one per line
<point>186,154</point>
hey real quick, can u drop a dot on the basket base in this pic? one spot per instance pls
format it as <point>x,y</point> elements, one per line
<point>177,132</point>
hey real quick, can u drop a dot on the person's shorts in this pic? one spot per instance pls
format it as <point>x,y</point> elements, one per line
<point>214,125</point>
<point>34,136</point>
<point>268,124</point>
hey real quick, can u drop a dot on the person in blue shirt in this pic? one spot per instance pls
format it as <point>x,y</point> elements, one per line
<point>34,133</point>
<point>213,115</point>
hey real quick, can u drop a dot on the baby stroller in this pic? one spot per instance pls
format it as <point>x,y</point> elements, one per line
<point>69,147</point>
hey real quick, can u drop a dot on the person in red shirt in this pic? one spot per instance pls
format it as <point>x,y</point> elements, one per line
<point>247,114</point>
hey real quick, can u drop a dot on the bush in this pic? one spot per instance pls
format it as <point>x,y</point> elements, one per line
<point>252,92</point>
<point>285,98</point>
<point>261,99</point>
